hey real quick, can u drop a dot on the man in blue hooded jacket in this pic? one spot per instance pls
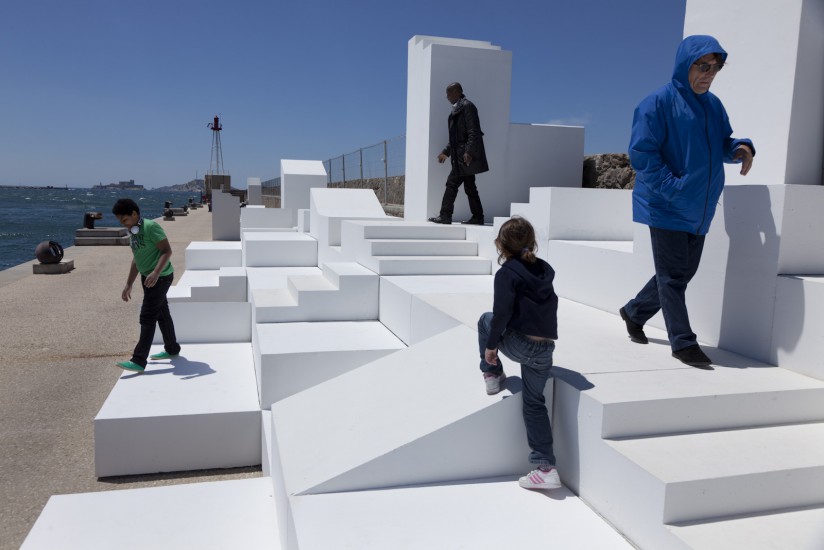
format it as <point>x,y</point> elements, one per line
<point>681,138</point>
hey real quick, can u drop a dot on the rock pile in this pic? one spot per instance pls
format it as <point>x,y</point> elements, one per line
<point>608,171</point>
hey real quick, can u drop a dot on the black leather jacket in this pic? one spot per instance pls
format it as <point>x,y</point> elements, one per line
<point>465,136</point>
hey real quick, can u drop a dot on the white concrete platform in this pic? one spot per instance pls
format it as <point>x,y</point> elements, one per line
<point>420,415</point>
<point>279,249</point>
<point>276,277</point>
<point>345,291</point>
<point>782,530</point>
<point>210,322</point>
<point>725,473</point>
<point>227,284</point>
<point>484,515</point>
<point>291,357</point>
<point>408,316</point>
<point>213,254</point>
<point>798,340</point>
<point>197,411</point>
<point>223,514</point>
<point>429,265</point>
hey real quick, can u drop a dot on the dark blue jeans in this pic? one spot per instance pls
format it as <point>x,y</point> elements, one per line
<point>155,311</point>
<point>676,255</point>
<point>536,360</point>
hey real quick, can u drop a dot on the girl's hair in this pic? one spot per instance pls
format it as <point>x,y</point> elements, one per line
<point>516,239</point>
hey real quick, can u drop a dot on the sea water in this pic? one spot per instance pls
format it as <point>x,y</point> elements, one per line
<point>29,216</point>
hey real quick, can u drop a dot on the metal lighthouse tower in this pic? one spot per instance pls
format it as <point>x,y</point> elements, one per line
<point>216,179</point>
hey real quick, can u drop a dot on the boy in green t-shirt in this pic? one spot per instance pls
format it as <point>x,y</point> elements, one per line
<point>151,252</point>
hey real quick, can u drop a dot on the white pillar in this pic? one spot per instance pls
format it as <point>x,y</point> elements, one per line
<point>773,87</point>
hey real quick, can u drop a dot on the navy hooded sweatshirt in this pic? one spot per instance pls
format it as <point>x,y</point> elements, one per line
<point>525,301</point>
<point>680,142</point>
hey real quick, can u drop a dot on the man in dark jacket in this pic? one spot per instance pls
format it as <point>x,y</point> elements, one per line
<point>681,138</point>
<point>466,149</point>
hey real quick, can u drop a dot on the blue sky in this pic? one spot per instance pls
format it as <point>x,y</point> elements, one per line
<point>101,91</point>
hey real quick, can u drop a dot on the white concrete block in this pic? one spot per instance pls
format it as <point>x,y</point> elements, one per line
<point>260,218</point>
<point>297,178</point>
<point>798,341</point>
<point>419,432</point>
<point>210,322</point>
<point>276,249</point>
<point>396,301</point>
<point>787,38</point>
<point>223,514</point>
<point>782,530</point>
<point>543,155</point>
<point>291,357</point>
<point>708,475</point>
<point>149,423</point>
<point>228,284</point>
<point>266,443</point>
<point>225,217</point>
<point>328,207</point>
<point>430,265</point>
<point>213,255</point>
<point>452,517</point>
<point>303,220</point>
<point>254,193</point>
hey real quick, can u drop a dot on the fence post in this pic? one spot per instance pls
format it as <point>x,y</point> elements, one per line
<point>385,175</point>
<point>343,169</point>
<point>360,161</point>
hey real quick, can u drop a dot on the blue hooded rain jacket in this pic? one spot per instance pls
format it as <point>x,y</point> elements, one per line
<point>680,142</point>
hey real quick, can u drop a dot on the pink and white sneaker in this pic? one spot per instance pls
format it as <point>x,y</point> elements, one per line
<point>540,479</point>
<point>494,382</point>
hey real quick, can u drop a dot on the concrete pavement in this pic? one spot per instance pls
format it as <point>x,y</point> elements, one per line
<point>60,336</point>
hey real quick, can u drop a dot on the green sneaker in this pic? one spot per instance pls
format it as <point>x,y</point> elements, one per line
<point>163,355</point>
<point>128,365</point>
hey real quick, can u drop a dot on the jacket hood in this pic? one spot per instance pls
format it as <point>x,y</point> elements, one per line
<point>537,276</point>
<point>689,51</point>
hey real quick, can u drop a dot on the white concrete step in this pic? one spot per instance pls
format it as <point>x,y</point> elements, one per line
<point>410,230</point>
<point>781,530</point>
<point>345,291</point>
<point>423,247</point>
<point>428,265</point>
<point>715,474</point>
<point>291,357</point>
<point>406,310</point>
<point>420,415</point>
<point>799,342</point>
<point>213,254</point>
<point>210,322</point>
<point>223,514</point>
<point>279,249</point>
<point>227,284</point>
<point>486,515</point>
<point>197,411</point>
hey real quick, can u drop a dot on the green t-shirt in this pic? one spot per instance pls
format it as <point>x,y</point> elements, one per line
<point>144,248</point>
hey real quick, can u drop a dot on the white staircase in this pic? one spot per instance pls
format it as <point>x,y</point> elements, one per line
<point>365,433</point>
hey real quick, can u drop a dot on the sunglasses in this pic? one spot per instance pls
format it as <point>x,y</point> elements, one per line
<point>707,67</point>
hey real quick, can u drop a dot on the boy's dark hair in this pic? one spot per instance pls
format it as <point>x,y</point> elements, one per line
<point>516,239</point>
<point>124,207</point>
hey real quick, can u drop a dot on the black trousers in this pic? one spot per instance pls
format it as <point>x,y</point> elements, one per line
<point>155,311</point>
<point>453,182</point>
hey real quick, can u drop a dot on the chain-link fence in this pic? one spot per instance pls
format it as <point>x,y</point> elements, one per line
<point>380,167</point>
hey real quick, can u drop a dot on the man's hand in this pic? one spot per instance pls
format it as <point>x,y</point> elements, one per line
<point>744,154</point>
<point>127,293</point>
<point>441,158</point>
<point>151,279</point>
<point>491,356</point>
<point>467,158</point>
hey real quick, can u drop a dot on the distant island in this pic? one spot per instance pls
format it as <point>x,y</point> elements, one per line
<point>195,185</point>
<point>120,186</point>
